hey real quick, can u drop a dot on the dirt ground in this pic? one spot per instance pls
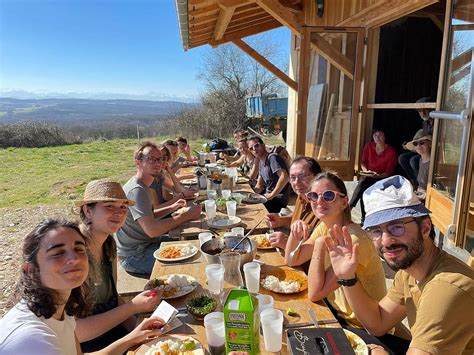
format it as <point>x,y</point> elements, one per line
<point>15,224</point>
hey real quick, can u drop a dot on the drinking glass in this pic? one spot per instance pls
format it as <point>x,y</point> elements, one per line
<point>265,302</point>
<point>215,278</point>
<point>204,237</point>
<point>215,332</point>
<point>226,193</point>
<point>252,276</point>
<point>210,206</point>
<point>229,234</point>
<point>231,208</point>
<point>272,326</point>
<point>238,231</point>
<point>211,194</point>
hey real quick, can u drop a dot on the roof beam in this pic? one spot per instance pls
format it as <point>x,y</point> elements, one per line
<point>281,14</point>
<point>266,64</point>
<point>296,8</point>
<point>382,12</point>
<point>229,37</point>
<point>335,57</point>
<point>223,20</point>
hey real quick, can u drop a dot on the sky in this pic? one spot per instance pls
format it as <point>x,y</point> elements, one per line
<point>94,46</point>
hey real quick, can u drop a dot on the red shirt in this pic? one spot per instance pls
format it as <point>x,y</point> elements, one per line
<point>380,163</point>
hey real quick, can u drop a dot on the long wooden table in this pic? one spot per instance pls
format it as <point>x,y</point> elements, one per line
<point>195,267</point>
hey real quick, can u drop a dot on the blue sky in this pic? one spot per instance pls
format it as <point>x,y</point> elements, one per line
<point>115,46</point>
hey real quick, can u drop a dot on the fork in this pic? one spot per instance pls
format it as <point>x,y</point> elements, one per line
<point>292,254</point>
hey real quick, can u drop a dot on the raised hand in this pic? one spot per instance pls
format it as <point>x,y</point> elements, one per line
<point>300,230</point>
<point>344,255</point>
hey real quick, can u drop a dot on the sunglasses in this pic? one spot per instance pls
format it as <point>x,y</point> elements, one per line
<point>419,143</point>
<point>396,229</point>
<point>256,145</point>
<point>153,160</point>
<point>301,177</point>
<point>328,195</point>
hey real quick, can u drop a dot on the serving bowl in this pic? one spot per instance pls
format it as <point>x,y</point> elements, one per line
<point>229,242</point>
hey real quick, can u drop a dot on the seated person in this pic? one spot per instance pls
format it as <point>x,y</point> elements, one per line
<point>102,212</point>
<point>238,134</point>
<point>143,230</point>
<point>410,161</point>
<point>247,163</point>
<point>329,201</point>
<point>421,144</point>
<point>433,289</point>
<point>272,181</point>
<point>176,161</point>
<point>378,159</point>
<point>302,171</point>
<point>185,149</point>
<point>51,293</point>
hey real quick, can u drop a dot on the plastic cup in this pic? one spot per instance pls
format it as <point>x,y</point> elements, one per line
<point>252,276</point>
<point>229,234</point>
<point>272,326</point>
<point>211,194</point>
<point>226,193</point>
<point>204,237</point>
<point>215,278</point>
<point>231,208</point>
<point>238,231</point>
<point>265,302</point>
<point>215,332</point>
<point>210,206</point>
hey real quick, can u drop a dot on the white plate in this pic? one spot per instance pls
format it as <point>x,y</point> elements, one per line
<point>224,222</point>
<point>178,293</point>
<point>358,345</point>
<point>157,256</point>
<point>192,181</point>
<point>254,198</point>
<point>147,346</point>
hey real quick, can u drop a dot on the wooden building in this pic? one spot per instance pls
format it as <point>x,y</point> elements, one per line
<point>360,64</point>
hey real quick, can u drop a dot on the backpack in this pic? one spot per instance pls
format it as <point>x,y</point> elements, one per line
<point>283,153</point>
<point>218,144</point>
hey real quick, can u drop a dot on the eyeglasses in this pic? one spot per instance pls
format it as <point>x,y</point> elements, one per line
<point>396,229</point>
<point>420,143</point>
<point>153,160</point>
<point>328,195</point>
<point>293,178</point>
<point>256,145</point>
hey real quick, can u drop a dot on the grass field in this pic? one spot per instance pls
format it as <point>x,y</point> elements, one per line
<point>58,175</point>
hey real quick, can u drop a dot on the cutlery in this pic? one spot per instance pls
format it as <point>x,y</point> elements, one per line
<point>292,254</point>
<point>309,324</point>
<point>178,263</point>
<point>247,235</point>
<point>313,317</point>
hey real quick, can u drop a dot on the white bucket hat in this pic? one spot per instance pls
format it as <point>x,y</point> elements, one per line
<point>391,199</point>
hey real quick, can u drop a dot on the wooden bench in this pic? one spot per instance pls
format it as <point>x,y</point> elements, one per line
<point>128,284</point>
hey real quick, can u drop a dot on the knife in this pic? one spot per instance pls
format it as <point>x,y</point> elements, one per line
<point>313,317</point>
<point>308,324</point>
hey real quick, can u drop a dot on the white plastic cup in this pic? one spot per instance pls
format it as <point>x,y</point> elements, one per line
<point>252,276</point>
<point>226,193</point>
<point>215,278</point>
<point>229,234</point>
<point>211,194</point>
<point>238,231</point>
<point>231,208</point>
<point>215,331</point>
<point>210,206</point>
<point>272,326</point>
<point>204,237</point>
<point>265,302</point>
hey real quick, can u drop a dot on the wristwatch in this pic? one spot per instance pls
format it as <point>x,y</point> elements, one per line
<point>348,282</point>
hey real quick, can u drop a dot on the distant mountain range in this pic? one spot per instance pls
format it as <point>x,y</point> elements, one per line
<point>67,110</point>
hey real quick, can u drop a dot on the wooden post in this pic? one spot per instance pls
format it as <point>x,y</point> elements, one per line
<point>324,142</point>
<point>303,89</point>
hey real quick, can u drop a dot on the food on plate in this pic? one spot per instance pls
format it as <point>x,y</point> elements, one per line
<point>221,203</point>
<point>200,306</point>
<point>220,251</point>
<point>357,344</point>
<point>173,346</point>
<point>262,241</point>
<point>177,251</point>
<point>272,283</point>
<point>292,312</point>
<point>172,285</point>
<point>181,211</point>
<point>242,180</point>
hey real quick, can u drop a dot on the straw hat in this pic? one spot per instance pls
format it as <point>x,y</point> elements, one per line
<point>101,191</point>
<point>421,135</point>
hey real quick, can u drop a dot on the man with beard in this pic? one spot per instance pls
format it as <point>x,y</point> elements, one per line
<point>143,231</point>
<point>433,289</point>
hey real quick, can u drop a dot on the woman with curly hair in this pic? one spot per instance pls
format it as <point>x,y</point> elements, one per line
<point>51,292</point>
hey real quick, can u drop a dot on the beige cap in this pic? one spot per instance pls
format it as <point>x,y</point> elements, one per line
<point>421,135</point>
<point>103,190</point>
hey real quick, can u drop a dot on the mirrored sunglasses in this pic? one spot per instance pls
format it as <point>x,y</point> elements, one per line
<point>327,196</point>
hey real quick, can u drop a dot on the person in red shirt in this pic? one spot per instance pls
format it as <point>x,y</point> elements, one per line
<point>378,162</point>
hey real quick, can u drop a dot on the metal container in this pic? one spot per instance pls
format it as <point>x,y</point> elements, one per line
<point>229,242</point>
<point>202,158</point>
